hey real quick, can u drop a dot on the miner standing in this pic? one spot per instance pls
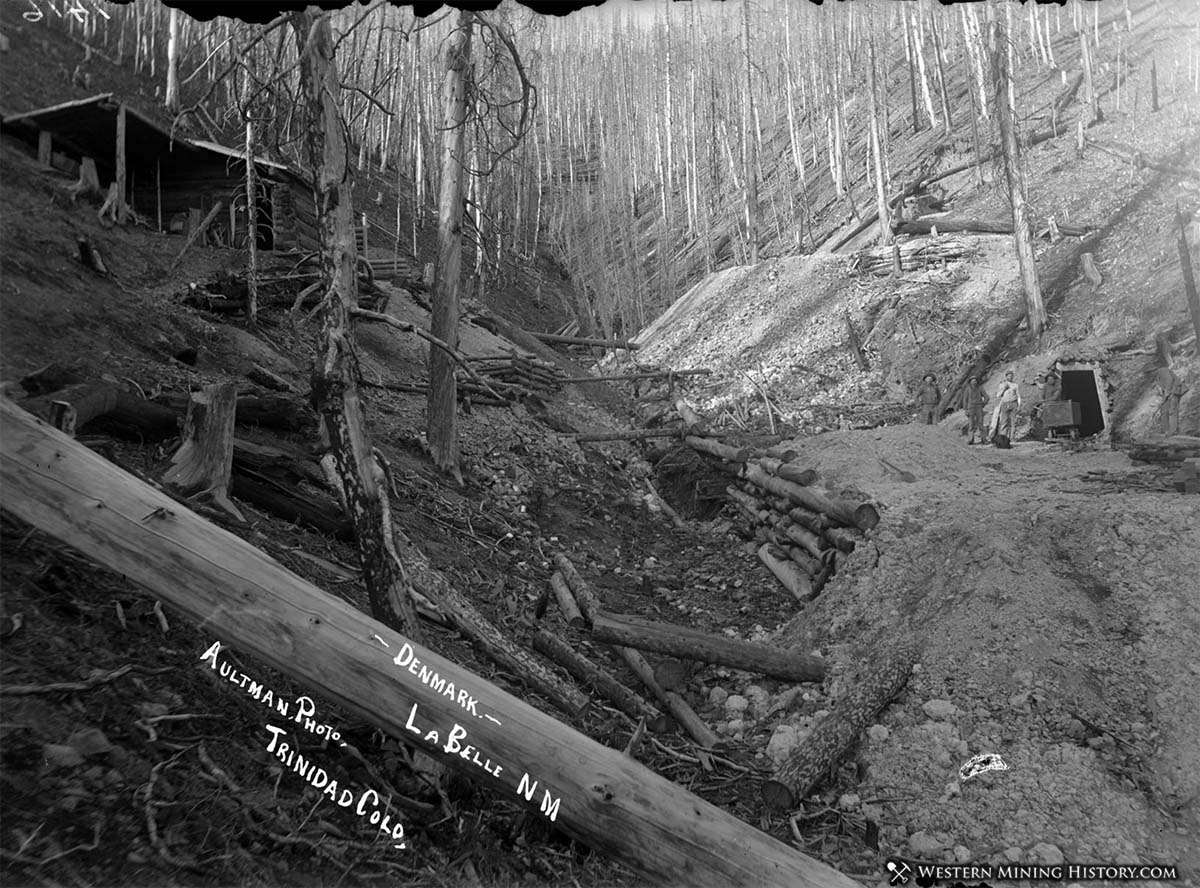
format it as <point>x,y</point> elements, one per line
<point>927,399</point>
<point>973,400</point>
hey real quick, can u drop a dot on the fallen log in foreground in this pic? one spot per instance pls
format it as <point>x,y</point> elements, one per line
<point>691,644</point>
<point>595,794</point>
<point>833,736</point>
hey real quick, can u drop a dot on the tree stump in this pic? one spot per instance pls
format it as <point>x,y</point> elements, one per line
<point>202,465</point>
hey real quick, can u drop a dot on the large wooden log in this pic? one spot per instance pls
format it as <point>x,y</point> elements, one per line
<point>628,435</point>
<point>716,448</point>
<point>686,642</point>
<point>653,374</point>
<point>204,461</point>
<point>675,704</point>
<point>588,603</point>
<point>785,470</point>
<point>319,513</point>
<point>787,572</point>
<point>483,633</point>
<point>833,736</point>
<point>946,224</point>
<point>629,702</point>
<point>125,414</point>
<point>583,340</point>
<point>566,602</point>
<point>595,794</point>
<point>861,515</point>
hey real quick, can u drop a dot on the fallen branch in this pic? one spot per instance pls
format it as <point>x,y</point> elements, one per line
<point>64,687</point>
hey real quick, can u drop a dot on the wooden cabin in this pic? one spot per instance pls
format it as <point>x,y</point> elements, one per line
<point>171,180</point>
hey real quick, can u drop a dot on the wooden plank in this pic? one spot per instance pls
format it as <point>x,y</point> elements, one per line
<point>249,601</point>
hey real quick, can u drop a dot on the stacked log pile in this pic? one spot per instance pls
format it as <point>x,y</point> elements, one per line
<point>535,375</point>
<point>912,255</point>
<point>802,531</point>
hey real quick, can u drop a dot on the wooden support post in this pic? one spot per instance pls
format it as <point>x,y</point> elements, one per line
<point>203,464</point>
<point>340,655</point>
<point>121,210</point>
<point>685,642</point>
<point>45,148</point>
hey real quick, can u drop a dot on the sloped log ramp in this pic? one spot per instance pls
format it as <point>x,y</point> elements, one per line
<point>691,644</point>
<point>837,732</point>
<point>248,600</point>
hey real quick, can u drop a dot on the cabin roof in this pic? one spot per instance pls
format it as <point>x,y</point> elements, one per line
<point>88,127</point>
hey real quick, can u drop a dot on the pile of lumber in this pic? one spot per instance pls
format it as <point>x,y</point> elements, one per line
<point>911,255</point>
<point>802,530</point>
<point>516,369</point>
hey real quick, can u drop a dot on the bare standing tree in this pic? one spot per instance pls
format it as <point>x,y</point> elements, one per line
<point>172,97</point>
<point>1035,309</point>
<point>441,425</point>
<point>335,370</point>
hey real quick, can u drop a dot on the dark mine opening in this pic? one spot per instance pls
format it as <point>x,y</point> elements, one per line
<point>1080,386</point>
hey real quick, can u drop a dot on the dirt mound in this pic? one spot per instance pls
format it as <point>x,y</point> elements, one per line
<point>1056,594</point>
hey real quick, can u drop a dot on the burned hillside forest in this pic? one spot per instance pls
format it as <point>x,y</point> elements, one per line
<point>688,443</point>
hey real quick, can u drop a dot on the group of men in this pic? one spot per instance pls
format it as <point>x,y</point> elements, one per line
<point>974,399</point>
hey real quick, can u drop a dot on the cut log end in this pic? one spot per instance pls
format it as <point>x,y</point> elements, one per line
<point>777,796</point>
<point>866,516</point>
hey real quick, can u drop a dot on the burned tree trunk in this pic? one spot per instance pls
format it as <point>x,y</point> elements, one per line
<point>335,371</point>
<point>441,421</point>
<point>1035,309</point>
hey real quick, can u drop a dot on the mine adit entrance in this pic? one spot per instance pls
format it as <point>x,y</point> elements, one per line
<point>1082,383</point>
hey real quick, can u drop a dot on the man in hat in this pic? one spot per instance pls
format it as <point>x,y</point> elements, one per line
<point>1008,404</point>
<point>927,399</point>
<point>973,400</point>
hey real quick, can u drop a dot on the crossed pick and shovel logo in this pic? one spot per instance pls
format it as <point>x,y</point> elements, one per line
<point>900,872</point>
